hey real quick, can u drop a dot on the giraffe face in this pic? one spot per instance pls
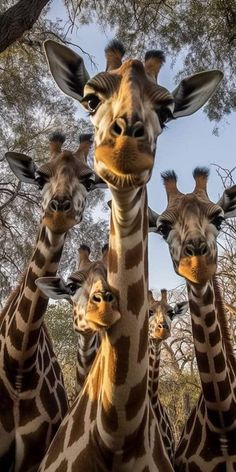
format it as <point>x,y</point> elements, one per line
<point>64,191</point>
<point>126,107</point>
<point>64,182</point>
<point>160,320</point>
<point>190,225</point>
<point>95,306</point>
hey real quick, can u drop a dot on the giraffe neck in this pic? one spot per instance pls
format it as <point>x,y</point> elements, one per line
<point>24,315</point>
<point>214,355</point>
<point>125,345</point>
<point>154,350</point>
<point>88,344</point>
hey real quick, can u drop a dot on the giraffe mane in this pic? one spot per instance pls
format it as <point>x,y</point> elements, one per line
<point>11,297</point>
<point>224,324</point>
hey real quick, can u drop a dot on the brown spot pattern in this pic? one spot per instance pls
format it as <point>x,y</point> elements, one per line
<point>136,398</point>
<point>135,297</point>
<point>143,341</point>
<point>120,351</point>
<point>113,261</point>
<point>133,256</point>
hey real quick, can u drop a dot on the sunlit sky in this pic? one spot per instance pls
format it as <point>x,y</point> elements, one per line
<point>186,143</point>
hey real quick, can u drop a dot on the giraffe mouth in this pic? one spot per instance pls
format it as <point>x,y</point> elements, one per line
<point>162,334</point>
<point>197,269</point>
<point>59,222</point>
<point>102,318</point>
<point>124,163</point>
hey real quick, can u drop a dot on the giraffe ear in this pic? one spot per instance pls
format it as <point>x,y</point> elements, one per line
<point>53,287</point>
<point>22,166</point>
<point>180,309</point>
<point>228,202</point>
<point>67,69</point>
<point>194,91</point>
<point>152,220</point>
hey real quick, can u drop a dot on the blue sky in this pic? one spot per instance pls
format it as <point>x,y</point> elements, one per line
<point>186,143</point>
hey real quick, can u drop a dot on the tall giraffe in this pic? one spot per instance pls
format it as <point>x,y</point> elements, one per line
<point>33,398</point>
<point>190,225</point>
<point>128,109</point>
<point>161,315</point>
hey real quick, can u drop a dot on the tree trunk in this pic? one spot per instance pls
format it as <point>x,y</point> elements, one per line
<point>18,19</point>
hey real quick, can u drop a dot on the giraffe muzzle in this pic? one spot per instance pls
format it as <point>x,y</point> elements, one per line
<point>56,205</point>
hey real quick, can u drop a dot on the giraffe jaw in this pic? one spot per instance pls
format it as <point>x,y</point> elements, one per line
<point>59,223</point>
<point>102,318</point>
<point>161,334</point>
<point>197,269</point>
<point>125,163</point>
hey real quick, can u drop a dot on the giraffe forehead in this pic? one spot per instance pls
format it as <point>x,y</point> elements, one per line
<point>129,77</point>
<point>186,207</point>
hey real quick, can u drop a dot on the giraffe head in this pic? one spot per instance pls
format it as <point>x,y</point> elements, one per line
<point>161,315</point>
<point>127,106</point>
<point>64,181</point>
<point>94,305</point>
<point>191,223</point>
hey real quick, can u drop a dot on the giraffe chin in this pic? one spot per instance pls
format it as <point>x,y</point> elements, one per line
<point>196,269</point>
<point>126,162</point>
<point>103,318</point>
<point>59,223</point>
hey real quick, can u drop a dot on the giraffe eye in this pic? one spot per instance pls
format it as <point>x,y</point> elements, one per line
<point>164,114</point>
<point>92,102</point>
<point>72,287</point>
<point>170,313</point>
<point>151,312</point>
<point>164,229</point>
<point>41,180</point>
<point>217,222</point>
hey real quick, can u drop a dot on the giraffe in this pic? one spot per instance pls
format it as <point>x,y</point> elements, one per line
<point>161,315</point>
<point>33,398</point>
<point>128,110</point>
<point>190,225</point>
<point>88,292</point>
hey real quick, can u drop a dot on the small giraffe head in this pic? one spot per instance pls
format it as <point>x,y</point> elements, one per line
<point>161,315</point>
<point>94,305</point>
<point>64,181</point>
<point>191,223</point>
<point>127,107</point>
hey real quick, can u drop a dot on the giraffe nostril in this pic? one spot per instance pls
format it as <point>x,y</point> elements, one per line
<point>96,298</point>
<point>54,205</point>
<point>100,297</point>
<point>138,130</point>
<point>196,248</point>
<point>203,249</point>
<point>117,129</point>
<point>189,250</point>
<point>66,205</point>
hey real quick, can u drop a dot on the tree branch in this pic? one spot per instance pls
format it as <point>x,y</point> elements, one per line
<point>18,19</point>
